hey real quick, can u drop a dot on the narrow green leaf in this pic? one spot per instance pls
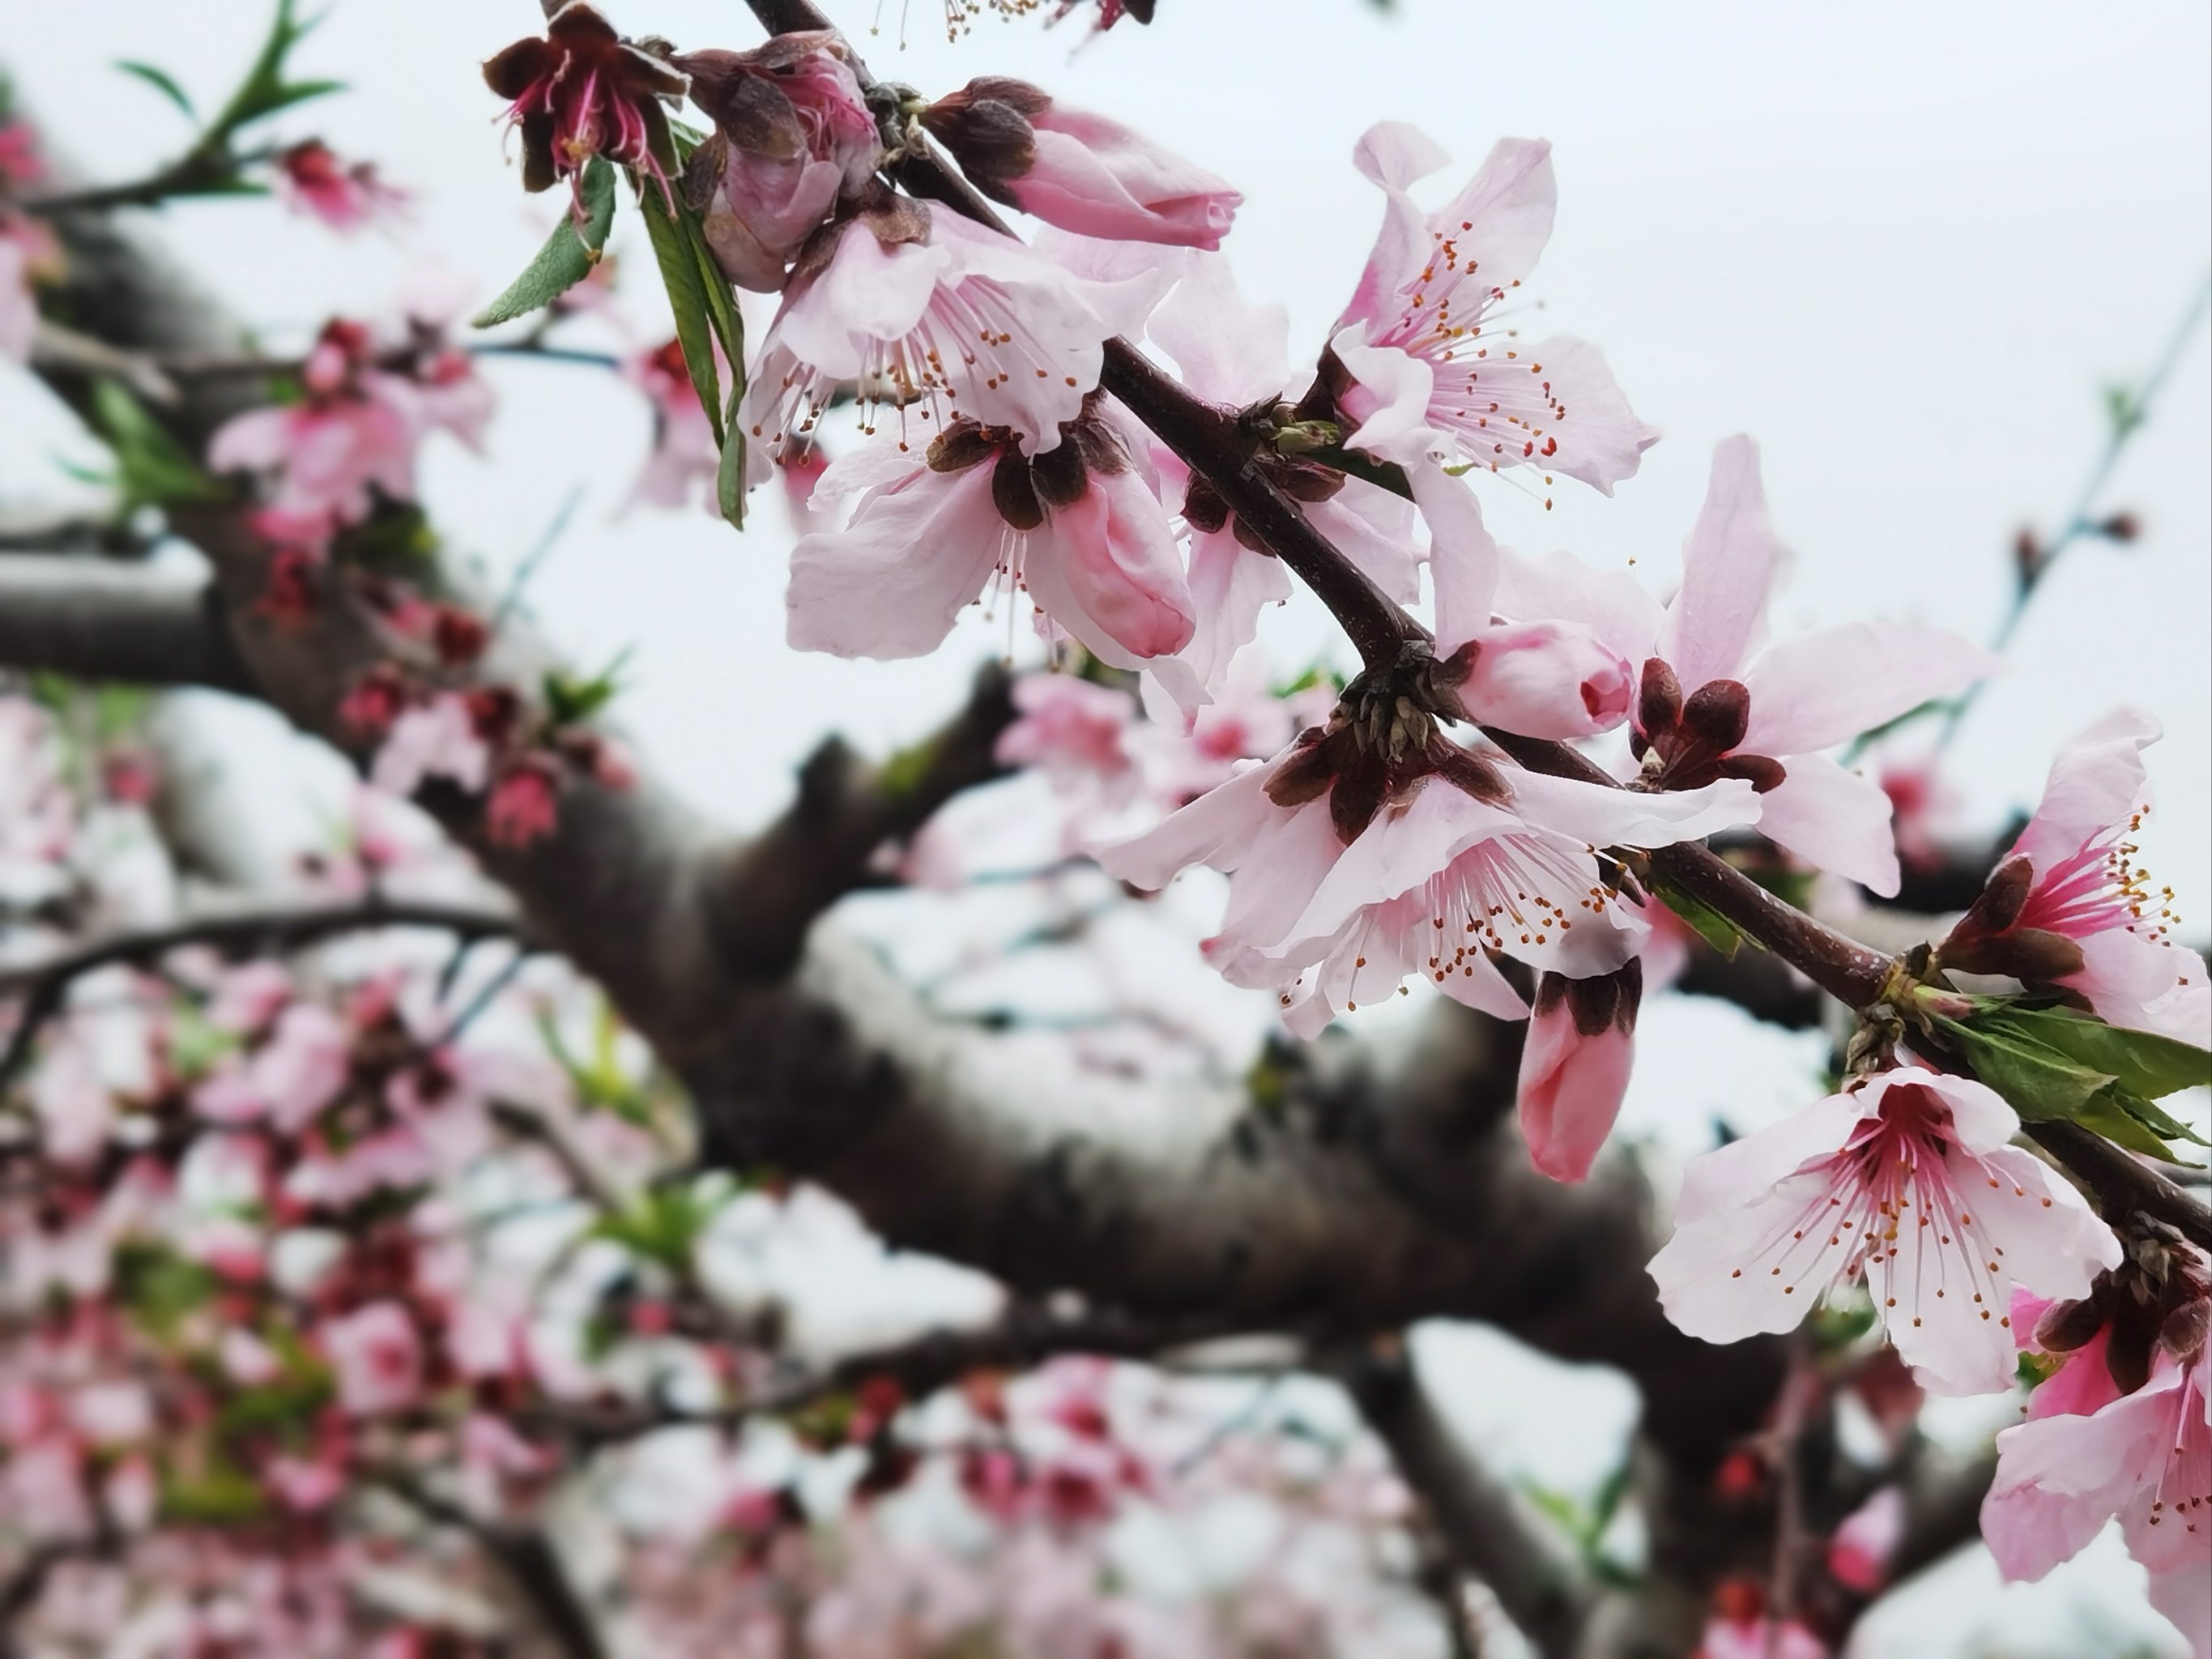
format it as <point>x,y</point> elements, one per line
<point>150,467</point>
<point>730,329</point>
<point>568,254</point>
<point>2116,1115</point>
<point>688,299</point>
<point>295,92</point>
<point>1702,919</point>
<point>163,82</point>
<point>730,475</point>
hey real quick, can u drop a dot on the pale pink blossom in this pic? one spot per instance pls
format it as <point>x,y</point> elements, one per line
<point>1861,1548</point>
<point>2069,907</point>
<point>1234,353</point>
<point>794,133</point>
<point>1436,882</point>
<point>1575,1064</point>
<point>1080,533</point>
<point>1074,732</point>
<point>1905,1181</point>
<point>434,739</point>
<point>131,1493</point>
<point>1433,368</point>
<point>248,997</point>
<point>1080,171</point>
<point>1711,703</point>
<point>75,1106</point>
<point>2145,1458</point>
<point>289,1080</point>
<point>311,179</point>
<point>378,1358</point>
<point>246,1359</point>
<point>916,307</point>
<point>684,457</point>
<point>42,1489</point>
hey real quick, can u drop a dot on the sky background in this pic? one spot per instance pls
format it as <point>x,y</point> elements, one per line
<point>1905,246</point>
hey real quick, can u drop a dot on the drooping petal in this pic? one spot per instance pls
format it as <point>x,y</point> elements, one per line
<point>1388,404</point>
<point>1730,565</point>
<point>1097,178</point>
<point>1227,349</point>
<point>1828,687</point>
<point>2060,1478</point>
<point>1395,155</point>
<point>2146,985</point>
<point>868,293</point>
<point>1229,586</point>
<point>1463,556</point>
<point>1835,819</point>
<point>1373,529</point>
<point>1106,568</point>
<point>891,583</point>
<point>1602,816</point>
<point>1216,829</point>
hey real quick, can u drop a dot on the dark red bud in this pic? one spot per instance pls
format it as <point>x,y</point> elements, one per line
<point>1659,699</point>
<point>1718,713</point>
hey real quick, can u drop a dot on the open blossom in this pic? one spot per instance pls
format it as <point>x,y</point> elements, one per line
<point>684,456</point>
<point>524,805</point>
<point>1073,730</point>
<point>2145,1458</point>
<point>312,179</point>
<point>919,308</point>
<point>1080,171</point>
<point>2069,908</point>
<point>1710,703</point>
<point>1861,1548</point>
<point>1903,1180</point>
<point>378,1358</point>
<point>289,1080</point>
<point>438,739</point>
<point>1429,368</point>
<point>354,435</point>
<point>1235,355</point>
<point>1077,530</point>
<point>583,91</point>
<point>792,134</point>
<point>1574,1065</point>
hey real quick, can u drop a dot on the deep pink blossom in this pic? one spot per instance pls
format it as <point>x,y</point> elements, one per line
<point>2069,905</point>
<point>1079,171</point>
<point>793,134</point>
<point>1905,1181</point>
<point>1431,366</point>
<point>20,161</point>
<point>1861,1548</point>
<point>1711,703</point>
<point>378,1358</point>
<point>1759,1637</point>
<point>1575,1064</point>
<point>524,805</point>
<point>937,317</point>
<point>2145,1458</point>
<point>312,179</point>
<point>1079,532</point>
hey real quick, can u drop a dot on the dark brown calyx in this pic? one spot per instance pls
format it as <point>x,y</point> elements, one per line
<point>986,125</point>
<point>2159,1298</point>
<point>1988,940</point>
<point>1302,481</point>
<point>1601,1003</point>
<point>1381,739</point>
<point>1686,742</point>
<point>1025,489</point>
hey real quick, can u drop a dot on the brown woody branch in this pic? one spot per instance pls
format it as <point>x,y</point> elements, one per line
<point>103,621</point>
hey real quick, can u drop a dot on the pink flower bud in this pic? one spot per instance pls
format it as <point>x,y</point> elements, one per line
<point>1080,171</point>
<point>1575,1066</point>
<point>1545,679</point>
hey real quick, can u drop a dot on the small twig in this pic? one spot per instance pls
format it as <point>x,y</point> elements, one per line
<point>2127,419</point>
<point>523,1553</point>
<point>43,984</point>
<point>2123,1184</point>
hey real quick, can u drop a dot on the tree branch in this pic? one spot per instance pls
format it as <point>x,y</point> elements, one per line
<point>113,622</point>
<point>1492,1529</point>
<point>523,1554</point>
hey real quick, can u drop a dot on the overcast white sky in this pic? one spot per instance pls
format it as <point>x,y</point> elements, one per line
<point>1904,245</point>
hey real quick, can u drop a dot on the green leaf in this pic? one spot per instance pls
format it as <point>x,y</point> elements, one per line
<point>568,254</point>
<point>730,475</point>
<point>149,466</point>
<point>665,1225</point>
<point>161,81</point>
<point>2143,1062</point>
<point>1701,918</point>
<point>569,701</point>
<point>2039,1082</point>
<point>215,1493</point>
<point>264,90</point>
<point>2123,1120</point>
<point>688,298</point>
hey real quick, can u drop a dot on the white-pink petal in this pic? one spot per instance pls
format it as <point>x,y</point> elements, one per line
<point>1730,565</point>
